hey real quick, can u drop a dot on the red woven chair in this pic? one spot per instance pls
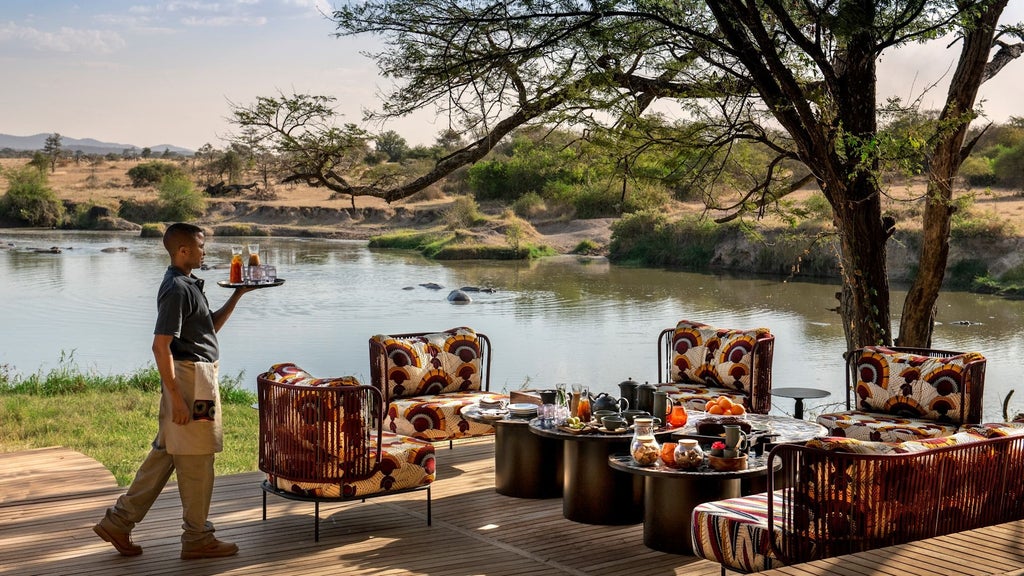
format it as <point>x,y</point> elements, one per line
<point>322,440</point>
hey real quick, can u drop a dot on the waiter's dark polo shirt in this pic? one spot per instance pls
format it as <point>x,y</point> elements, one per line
<point>184,312</point>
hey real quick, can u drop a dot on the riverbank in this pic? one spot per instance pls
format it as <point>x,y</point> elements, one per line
<point>987,233</point>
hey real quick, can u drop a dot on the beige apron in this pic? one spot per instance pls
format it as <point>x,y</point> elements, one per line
<point>203,435</point>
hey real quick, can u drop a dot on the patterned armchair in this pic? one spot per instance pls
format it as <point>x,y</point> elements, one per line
<point>895,394</point>
<point>426,379</point>
<point>846,495</point>
<point>322,440</point>
<point>698,362</point>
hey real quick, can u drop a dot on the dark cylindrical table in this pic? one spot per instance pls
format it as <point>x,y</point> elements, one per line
<point>593,493</point>
<point>670,496</point>
<point>525,465</point>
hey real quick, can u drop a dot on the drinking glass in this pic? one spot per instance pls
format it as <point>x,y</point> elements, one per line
<point>254,254</point>
<point>270,274</point>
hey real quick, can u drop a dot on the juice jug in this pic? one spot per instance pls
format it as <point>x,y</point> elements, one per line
<point>235,273</point>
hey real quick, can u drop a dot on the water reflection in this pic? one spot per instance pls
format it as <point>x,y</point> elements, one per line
<point>564,319</point>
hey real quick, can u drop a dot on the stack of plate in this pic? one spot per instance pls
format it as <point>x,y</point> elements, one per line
<point>490,405</point>
<point>523,410</point>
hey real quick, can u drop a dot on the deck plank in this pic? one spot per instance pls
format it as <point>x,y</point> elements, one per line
<point>475,531</point>
<point>49,472</point>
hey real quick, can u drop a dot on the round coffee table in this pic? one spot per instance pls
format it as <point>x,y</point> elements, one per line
<point>592,492</point>
<point>670,495</point>
<point>525,465</point>
<point>799,394</point>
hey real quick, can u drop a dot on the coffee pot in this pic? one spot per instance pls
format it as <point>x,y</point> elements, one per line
<point>627,390</point>
<point>645,398</point>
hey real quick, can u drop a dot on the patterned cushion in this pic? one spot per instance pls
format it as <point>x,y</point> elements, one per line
<point>716,357</point>
<point>696,396</point>
<point>432,364</point>
<point>876,427</point>
<point>734,532</point>
<point>289,373</point>
<point>405,463</point>
<point>912,385</point>
<point>854,446</point>
<point>996,429</point>
<point>438,417</point>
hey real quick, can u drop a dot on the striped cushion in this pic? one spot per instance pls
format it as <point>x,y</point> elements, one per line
<point>875,427</point>
<point>734,532</point>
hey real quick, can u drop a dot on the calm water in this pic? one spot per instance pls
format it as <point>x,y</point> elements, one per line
<point>557,320</point>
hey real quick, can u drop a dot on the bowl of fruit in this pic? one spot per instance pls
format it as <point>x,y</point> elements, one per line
<point>721,411</point>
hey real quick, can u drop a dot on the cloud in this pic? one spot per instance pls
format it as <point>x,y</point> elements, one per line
<point>64,40</point>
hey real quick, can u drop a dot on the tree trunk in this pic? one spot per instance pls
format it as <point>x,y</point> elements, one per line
<point>918,317</point>
<point>865,301</point>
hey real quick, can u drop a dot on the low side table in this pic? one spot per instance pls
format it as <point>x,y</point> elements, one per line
<point>525,465</point>
<point>670,495</point>
<point>799,394</point>
<point>593,493</point>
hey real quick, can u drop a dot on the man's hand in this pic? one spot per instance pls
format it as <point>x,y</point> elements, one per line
<point>181,412</point>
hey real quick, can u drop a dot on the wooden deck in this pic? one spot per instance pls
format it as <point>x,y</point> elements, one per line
<point>49,500</point>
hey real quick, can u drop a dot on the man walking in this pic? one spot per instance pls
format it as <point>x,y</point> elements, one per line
<point>189,433</point>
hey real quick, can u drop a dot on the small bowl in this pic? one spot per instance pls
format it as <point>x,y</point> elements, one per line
<point>728,464</point>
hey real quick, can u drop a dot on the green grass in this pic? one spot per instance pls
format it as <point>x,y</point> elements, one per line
<point>112,419</point>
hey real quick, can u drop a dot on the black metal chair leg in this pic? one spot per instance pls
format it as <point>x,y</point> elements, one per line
<point>316,522</point>
<point>428,506</point>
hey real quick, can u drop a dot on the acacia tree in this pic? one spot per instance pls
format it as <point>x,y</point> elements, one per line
<point>737,68</point>
<point>52,148</point>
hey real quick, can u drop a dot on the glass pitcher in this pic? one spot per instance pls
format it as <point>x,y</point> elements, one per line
<point>644,448</point>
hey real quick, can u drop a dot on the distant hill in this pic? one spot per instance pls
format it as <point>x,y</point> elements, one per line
<point>86,145</point>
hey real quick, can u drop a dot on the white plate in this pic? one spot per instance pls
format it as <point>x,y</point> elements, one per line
<point>523,408</point>
<point>494,413</point>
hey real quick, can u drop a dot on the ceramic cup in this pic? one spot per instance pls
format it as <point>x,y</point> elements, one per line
<point>613,423</point>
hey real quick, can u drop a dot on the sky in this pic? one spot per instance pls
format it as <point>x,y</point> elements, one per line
<point>146,73</point>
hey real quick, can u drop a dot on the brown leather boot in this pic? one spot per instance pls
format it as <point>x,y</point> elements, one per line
<point>213,549</point>
<point>122,541</point>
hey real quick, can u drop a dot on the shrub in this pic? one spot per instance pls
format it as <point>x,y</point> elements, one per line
<point>1008,167</point>
<point>977,171</point>
<point>30,199</point>
<point>179,200</point>
<point>152,173</point>
<point>464,212</point>
<point>816,207</point>
<point>529,205</point>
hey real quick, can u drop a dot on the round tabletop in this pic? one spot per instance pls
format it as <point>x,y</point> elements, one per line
<point>476,414</point>
<point>783,429</point>
<point>800,393</point>
<point>595,435</point>
<point>756,466</point>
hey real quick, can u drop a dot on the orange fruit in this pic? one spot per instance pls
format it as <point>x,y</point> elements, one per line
<point>716,409</point>
<point>668,456</point>
<point>737,409</point>
<point>709,405</point>
<point>724,402</point>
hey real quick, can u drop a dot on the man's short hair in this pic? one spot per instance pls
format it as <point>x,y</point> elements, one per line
<point>179,234</point>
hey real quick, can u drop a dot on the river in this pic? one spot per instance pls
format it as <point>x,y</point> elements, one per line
<point>562,319</point>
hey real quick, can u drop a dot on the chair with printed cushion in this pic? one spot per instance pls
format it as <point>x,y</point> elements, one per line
<point>322,440</point>
<point>894,394</point>
<point>698,362</point>
<point>427,378</point>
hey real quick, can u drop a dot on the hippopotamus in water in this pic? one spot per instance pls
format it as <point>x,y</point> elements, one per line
<point>459,297</point>
<point>431,285</point>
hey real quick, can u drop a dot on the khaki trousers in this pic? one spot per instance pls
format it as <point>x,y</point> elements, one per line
<point>195,487</point>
